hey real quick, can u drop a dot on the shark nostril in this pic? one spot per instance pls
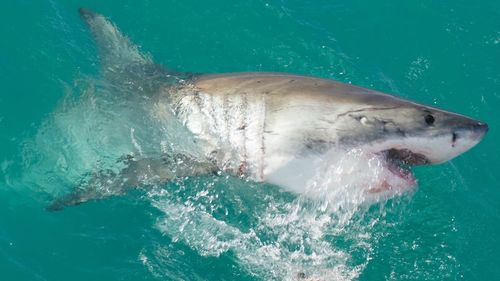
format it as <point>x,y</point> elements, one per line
<point>454,137</point>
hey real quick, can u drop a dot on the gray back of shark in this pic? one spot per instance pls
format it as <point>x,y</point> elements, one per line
<point>258,124</point>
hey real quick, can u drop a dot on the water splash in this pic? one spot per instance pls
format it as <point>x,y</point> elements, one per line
<point>95,125</point>
<point>323,233</point>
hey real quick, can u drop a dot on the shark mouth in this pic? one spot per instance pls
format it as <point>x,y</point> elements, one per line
<point>398,163</point>
<point>406,157</point>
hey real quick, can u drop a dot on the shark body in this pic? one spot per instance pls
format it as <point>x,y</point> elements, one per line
<point>272,127</point>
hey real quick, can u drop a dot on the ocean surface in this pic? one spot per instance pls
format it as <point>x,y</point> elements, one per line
<point>58,122</point>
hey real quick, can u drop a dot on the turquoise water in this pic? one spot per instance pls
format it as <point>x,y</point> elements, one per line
<point>444,53</point>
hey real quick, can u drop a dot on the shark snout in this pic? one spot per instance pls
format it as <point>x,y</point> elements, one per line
<point>480,128</point>
<point>476,131</point>
<point>467,136</point>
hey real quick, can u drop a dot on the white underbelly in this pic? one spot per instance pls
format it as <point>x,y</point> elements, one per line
<point>230,129</point>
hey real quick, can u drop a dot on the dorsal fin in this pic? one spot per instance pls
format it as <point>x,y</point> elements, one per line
<point>121,61</point>
<point>115,49</point>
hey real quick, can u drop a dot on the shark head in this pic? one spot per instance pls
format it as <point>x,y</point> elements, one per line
<point>404,133</point>
<point>412,133</point>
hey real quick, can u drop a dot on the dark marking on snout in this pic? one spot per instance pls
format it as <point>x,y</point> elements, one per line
<point>454,137</point>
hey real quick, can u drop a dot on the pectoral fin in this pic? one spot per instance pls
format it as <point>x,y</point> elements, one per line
<point>138,173</point>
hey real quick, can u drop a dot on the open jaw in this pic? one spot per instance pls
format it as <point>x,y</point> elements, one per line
<point>398,163</point>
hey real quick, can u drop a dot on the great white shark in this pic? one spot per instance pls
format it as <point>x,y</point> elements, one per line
<point>272,127</point>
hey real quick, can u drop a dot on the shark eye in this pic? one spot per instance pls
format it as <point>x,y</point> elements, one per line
<point>429,119</point>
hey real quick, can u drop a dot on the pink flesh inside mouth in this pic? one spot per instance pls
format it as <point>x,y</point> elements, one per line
<point>401,172</point>
<point>406,180</point>
<point>398,163</point>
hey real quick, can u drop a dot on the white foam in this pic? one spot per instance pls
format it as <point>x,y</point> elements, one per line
<point>298,246</point>
<point>288,237</point>
<point>340,179</point>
